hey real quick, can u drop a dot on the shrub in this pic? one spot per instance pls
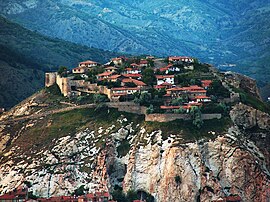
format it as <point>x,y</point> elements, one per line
<point>80,191</point>
<point>54,90</point>
<point>196,115</point>
<point>123,148</point>
<point>150,109</point>
<point>99,98</point>
<point>178,179</point>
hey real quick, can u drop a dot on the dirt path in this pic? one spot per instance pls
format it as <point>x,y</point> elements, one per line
<point>35,116</point>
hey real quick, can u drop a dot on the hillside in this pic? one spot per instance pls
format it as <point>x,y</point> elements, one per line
<point>25,55</point>
<point>60,149</point>
<point>215,31</point>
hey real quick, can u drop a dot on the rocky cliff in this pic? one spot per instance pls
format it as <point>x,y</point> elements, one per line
<point>103,149</point>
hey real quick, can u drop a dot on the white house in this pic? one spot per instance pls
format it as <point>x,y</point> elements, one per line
<point>88,63</point>
<point>165,78</point>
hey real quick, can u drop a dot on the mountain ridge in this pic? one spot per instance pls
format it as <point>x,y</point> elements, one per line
<point>215,31</point>
<point>25,55</point>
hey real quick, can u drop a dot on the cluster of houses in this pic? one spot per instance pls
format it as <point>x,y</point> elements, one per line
<point>129,80</point>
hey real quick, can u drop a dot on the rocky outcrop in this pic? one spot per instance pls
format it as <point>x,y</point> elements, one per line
<point>207,170</point>
<point>244,82</point>
<point>123,153</point>
<point>248,117</point>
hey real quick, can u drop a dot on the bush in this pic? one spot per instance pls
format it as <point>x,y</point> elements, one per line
<point>181,110</point>
<point>123,148</point>
<point>80,191</point>
<point>100,98</point>
<point>178,179</point>
<point>217,89</point>
<point>196,115</point>
<point>54,90</point>
<point>150,109</point>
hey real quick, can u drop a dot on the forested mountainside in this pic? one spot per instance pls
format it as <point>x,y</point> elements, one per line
<point>220,32</point>
<point>25,55</point>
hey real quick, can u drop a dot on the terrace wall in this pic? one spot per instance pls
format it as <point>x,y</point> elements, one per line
<point>129,107</point>
<point>173,117</point>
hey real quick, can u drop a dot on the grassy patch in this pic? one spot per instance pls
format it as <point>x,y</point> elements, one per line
<point>189,132</point>
<point>252,101</point>
<point>68,123</point>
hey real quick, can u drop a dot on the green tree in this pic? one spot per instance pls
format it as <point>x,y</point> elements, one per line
<point>148,76</point>
<point>99,98</point>
<point>131,196</point>
<point>62,71</point>
<point>217,89</point>
<point>196,115</point>
<point>181,110</point>
<point>145,98</point>
<point>178,101</point>
<point>119,196</point>
<point>80,191</point>
<point>150,109</point>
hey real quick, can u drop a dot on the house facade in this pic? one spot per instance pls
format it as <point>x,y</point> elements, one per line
<point>88,63</point>
<point>165,78</point>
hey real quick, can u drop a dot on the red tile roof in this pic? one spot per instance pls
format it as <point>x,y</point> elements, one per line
<point>136,82</point>
<point>115,59</point>
<point>125,88</point>
<point>169,107</point>
<point>114,76</point>
<point>134,64</point>
<point>206,83</point>
<point>163,85</point>
<point>163,69</point>
<point>164,76</point>
<point>132,75</point>
<point>88,62</point>
<point>110,67</point>
<point>202,97</point>
<point>105,74</point>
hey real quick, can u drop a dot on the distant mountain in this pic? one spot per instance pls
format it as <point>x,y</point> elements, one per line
<point>25,55</point>
<point>216,31</point>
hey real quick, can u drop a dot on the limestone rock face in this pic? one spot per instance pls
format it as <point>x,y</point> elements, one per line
<point>205,170</point>
<point>248,117</point>
<point>162,165</point>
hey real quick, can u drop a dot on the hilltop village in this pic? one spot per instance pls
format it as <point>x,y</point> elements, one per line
<point>102,152</point>
<point>173,84</point>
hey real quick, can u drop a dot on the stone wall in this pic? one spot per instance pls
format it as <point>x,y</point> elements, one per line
<point>50,79</point>
<point>173,117</point>
<point>64,85</point>
<point>129,107</point>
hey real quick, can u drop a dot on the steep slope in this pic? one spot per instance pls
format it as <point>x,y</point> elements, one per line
<point>216,31</point>
<point>102,149</point>
<point>24,55</point>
